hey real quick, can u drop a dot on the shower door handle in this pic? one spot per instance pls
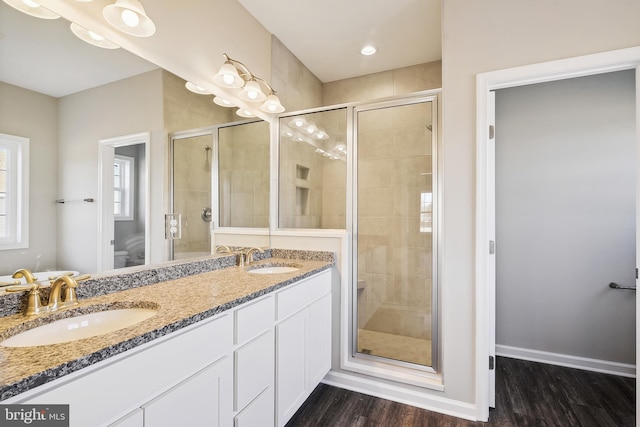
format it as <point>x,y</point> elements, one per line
<point>206,215</point>
<point>614,285</point>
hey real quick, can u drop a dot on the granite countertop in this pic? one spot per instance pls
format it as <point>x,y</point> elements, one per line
<point>179,303</point>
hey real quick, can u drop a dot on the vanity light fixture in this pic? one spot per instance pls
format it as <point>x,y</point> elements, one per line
<point>234,75</point>
<point>218,100</point>
<point>298,122</point>
<point>32,8</point>
<point>368,50</point>
<point>321,134</point>
<point>129,17</point>
<point>92,37</point>
<point>196,89</point>
<point>244,113</point>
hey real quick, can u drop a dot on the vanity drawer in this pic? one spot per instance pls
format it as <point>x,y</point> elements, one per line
<point>260,413</point>
<point>254,369</point>
<point>294,298</point>
<point>254,319</point>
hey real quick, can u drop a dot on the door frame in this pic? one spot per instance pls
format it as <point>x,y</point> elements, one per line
<point>106,153</point>
<point>617,60</point>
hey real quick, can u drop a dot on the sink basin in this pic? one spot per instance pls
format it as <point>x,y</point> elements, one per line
<point>79,327</point>
<point>272,269</point>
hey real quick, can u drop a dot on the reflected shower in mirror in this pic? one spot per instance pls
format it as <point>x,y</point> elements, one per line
<point>243,176</point>
<point>191,191</point>
<point>313,170</point>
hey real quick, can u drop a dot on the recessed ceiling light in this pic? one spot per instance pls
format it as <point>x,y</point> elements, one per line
<point>368,50</point>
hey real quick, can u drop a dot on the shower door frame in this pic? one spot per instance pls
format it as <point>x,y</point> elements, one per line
<point>406,372</point>
<point>184,134</point>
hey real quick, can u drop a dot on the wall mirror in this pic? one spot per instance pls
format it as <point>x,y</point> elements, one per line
<point>58,243</point>
<point>220,187</point>
<point>313,170</point>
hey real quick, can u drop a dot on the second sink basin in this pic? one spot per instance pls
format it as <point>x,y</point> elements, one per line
<point>79,327</point>
<point>272,269</point>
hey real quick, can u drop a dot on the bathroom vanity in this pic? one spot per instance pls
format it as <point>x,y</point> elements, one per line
<point>226,347</point>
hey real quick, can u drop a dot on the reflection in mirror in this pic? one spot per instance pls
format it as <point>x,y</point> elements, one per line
<point>235,156</point>
<point>129,205</point>
<point>191,191</point>
<point>243,176</point>
<point>313,170</point>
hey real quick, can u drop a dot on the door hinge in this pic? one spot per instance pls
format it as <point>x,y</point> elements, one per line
<point>492,363</point>
<point>492,131</point>
<point>112,243</point>
<point>492,247</point>
<point>636,273</point>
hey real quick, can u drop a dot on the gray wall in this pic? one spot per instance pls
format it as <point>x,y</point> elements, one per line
<point>565,216</point>
<point>35,116</point>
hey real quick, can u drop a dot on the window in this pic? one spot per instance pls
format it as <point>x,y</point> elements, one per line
<point>123,176</point>
<point>14,192</point>
<point>426,212</point>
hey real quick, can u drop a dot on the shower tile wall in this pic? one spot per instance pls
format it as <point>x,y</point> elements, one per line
<point>244,175</point>
<point>186,110</point>
<point>387,83</point>
<point>394,255</point>
<point>192,192</point>
<point>297,211</point>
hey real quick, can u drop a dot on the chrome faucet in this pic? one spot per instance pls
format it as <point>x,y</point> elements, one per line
<point>34,299</point>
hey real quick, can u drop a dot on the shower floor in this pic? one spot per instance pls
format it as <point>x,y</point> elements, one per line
<point>396,347</point>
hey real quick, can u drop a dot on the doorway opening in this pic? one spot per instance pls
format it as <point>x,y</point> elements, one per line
<point>124,203</point>
<point>624,59</point>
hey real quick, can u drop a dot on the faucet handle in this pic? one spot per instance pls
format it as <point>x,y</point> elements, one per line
<point>20,288</point>
<point>34,303</point>
<point>12,283</point>
<point>66,273</point>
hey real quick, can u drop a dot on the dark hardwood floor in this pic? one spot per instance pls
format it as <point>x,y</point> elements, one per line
<point>527,394</point>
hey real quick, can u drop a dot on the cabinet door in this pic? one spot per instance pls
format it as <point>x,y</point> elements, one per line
<point>319,314</point>
<point>203,399</point>
<point>291,366</point>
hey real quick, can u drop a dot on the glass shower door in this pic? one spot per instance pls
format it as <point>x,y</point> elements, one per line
<point>395,161</point>
<point>191,194</point>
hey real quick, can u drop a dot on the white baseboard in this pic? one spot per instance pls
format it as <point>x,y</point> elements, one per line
<point>595,365</point>
<point>402,395</point>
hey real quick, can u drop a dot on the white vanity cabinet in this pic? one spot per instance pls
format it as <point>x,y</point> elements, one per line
<point>303,342</point>
<point>194,362</point>
<point>251,366</point>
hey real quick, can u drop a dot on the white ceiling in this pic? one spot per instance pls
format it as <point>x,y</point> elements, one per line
<point>44,56</point>
<point>326,35</point>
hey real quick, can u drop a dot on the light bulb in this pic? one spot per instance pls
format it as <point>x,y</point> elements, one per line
<point>298,122</point>
<point>130,18</point>
<point>94,36</point>
<point>30,3</point>
<point>368,50</point>
<point>228,79</point>
<point>252,94</point>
